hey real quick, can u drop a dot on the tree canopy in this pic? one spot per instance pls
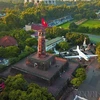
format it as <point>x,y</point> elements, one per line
<point>80,76</point>
<point>17,88</point>
<point>76,38</point>
<point>98,52</point>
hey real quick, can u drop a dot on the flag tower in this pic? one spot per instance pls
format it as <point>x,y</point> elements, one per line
<point>41,44</point>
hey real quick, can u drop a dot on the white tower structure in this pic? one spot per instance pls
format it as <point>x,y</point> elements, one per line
<point>84,43</point>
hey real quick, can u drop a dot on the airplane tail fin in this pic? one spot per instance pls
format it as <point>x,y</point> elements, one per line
<point>76,48</point>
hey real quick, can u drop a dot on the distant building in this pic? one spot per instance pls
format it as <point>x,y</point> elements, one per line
<point>28,27</point>
<point>25,1</point>
<point>2,15</point>
<point>76,0</point>
<point>35,27</point>
<point>38,1</point>
<point>8,41</point>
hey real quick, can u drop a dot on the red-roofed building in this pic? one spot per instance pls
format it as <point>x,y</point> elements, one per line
<point>8,41</point>
<point>35,27</point>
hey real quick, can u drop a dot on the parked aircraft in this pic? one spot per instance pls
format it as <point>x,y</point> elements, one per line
<point>81,55</point>
<point>63,53</point>
<point>56,52</point>
<point>79,98</point>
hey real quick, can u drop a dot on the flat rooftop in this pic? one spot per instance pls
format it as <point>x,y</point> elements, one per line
<point>47,75</point>
<point>52,41</point>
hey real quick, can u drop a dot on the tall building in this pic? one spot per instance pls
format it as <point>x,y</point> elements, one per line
<point>38,1</point>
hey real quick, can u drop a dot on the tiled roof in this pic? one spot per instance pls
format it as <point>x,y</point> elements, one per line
<point>37,27</point>
<point>7,41</point>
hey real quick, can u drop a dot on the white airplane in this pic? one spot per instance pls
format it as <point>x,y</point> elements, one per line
<point>78,97</point>
<point>81,55</point>
<point>57,52</point>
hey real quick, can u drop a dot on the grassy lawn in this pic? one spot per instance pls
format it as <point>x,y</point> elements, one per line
<point>94,38</point>
<point>65,25</point>
<point>91,23</point>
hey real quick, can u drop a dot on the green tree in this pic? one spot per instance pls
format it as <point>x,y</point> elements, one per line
<point>73,26</point>
<point>31,41</point>
<point>12,51</point>
<point>12,20</point>
<point>18,89</point>
<point>80,76</point>
<point>76,82</point>
<point>2,51</point>
<point>63,45</point>
<point>81,73</point>
<point>98,52</point>
<point>29,49</point>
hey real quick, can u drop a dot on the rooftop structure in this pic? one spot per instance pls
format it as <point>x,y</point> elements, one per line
<point>8,41</point>
<point>50,44</point>
<point>35,27</point>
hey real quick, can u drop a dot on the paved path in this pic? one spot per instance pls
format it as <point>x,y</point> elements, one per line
<point>90,89</point>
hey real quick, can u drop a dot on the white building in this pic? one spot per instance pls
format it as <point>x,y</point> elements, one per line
<point>25,1</point>
<point>50,44</point>
<point>28,27</point>
<point>38,1</point>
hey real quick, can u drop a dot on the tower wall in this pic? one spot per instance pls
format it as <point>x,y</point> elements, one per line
<point>41,44</point>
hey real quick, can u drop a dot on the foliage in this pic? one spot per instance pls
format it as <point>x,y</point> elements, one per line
<point>3,27</point>
<point>63,46</point>
<point>55,32</point>
<point>29,49</point>
<point>31,41</point>
<point>76,82</point>
<point>18,89</point>
<point>76,38</point>
<point>50,51</point>
<point>12,21</point>
<point>11,51</point>
<point>73,26</point>
<point>81,73</point>
<point>2,67</point>
<point>80,76</point>
<point>98,52</point>
<point>31,32</point>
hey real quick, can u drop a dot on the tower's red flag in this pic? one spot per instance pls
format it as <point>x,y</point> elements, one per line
<point>44,23</point>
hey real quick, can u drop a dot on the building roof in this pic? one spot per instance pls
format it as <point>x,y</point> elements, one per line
<point>53,41</point>
<point>37,27</point>
<point>7,41</point>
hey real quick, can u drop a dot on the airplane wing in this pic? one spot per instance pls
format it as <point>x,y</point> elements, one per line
<point>77,56</point>
<point>89,56</point>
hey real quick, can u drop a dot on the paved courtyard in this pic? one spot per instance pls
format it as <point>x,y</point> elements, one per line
<point>90,89</point>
